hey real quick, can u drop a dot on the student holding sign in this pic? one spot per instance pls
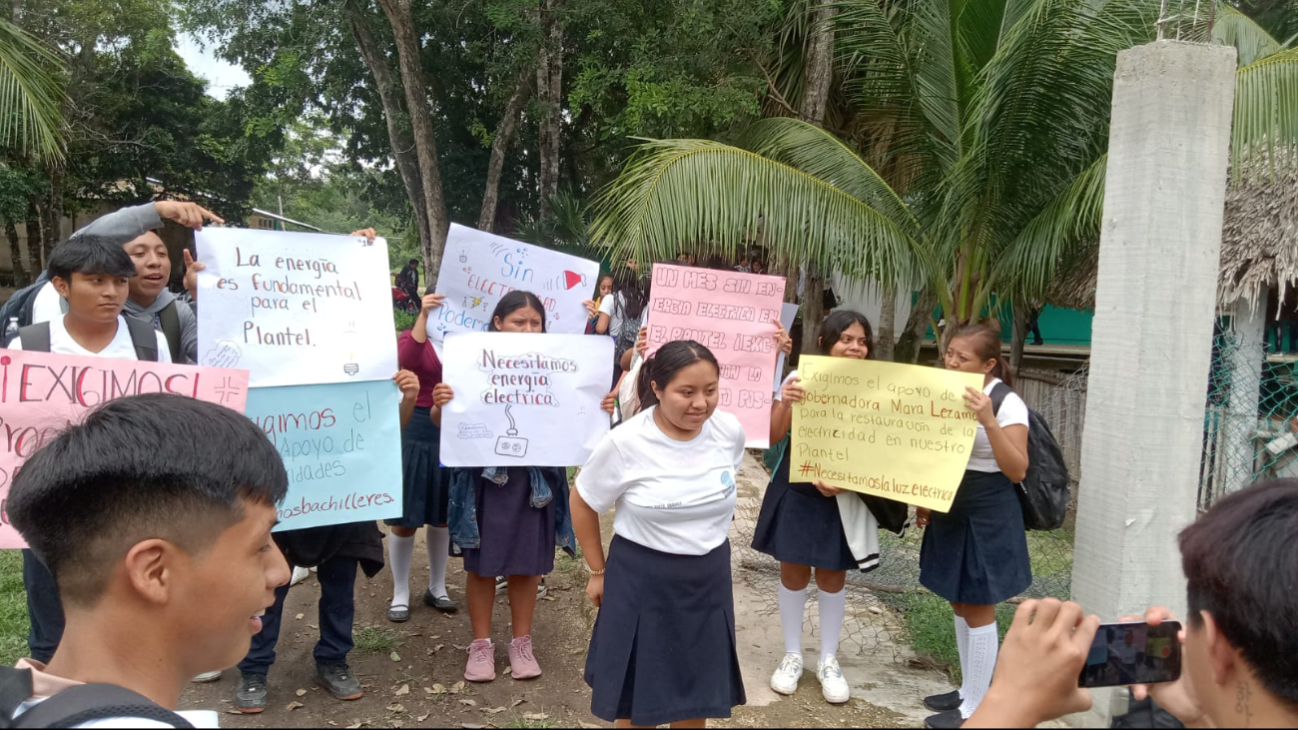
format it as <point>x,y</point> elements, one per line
<point>804,527</point>
<point>426,496</point>
<point>508,521</point>
<point>663,648</point>
<point>976,555</point>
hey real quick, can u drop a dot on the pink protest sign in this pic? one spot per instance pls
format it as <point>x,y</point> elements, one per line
<point>734,315</point>
<point>42,394</point>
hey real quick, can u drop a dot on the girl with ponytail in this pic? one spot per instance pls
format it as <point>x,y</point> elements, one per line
<point>976,555</point>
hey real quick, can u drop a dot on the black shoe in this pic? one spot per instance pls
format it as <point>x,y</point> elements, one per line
<point>251,696</point>
<point>441,603</point>
<point>945,721</point>
<point>338,680</point>
<point>944,703</point>
<point>399,613</point>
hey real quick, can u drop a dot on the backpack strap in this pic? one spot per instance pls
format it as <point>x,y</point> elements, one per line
<point>144,338</point>
<point>87,703</point>
<point>15,689</point>
<point>999,393</point>
<point>169,319</point>
<point>35,337</point>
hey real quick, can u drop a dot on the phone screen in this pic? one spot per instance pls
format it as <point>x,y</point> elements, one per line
<point>1133,653</point>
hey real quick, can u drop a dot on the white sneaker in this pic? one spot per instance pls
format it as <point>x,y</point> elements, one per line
<point>785,679</point>
<point>832,684</point>
<point>299,575</point>
<point>207,678</point>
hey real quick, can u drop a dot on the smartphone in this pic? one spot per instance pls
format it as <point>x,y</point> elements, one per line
<point>1133,653</point>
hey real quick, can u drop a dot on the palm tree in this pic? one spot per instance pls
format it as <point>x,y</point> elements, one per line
<point>975,161</point>
<point>30,95</point>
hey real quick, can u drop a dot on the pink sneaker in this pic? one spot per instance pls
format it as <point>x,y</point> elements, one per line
<point>482,662</point>
<point>521,659</point>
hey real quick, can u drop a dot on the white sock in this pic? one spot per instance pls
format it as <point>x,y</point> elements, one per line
<point>962,641</point>
<point>832,608</point>
<point>793,604</point>
<point>439,546</point>
<point>400,552</point>
<point>984,644</point>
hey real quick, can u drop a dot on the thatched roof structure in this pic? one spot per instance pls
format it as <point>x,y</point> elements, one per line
<point>1259,244</point>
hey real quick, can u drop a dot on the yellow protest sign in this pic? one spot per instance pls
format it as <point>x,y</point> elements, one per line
<point>891,430</point>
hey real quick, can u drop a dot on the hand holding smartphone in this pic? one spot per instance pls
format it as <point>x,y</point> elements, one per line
<point>1134,652</point>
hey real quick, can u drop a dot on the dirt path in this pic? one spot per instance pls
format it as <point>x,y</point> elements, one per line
<point>412,673</point>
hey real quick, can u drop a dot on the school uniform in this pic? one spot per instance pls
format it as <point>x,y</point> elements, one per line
<point>423,479</point>
<point>663,648</point>
<point>509,520</point>
<point>799,525</point>
<point>977,553</point>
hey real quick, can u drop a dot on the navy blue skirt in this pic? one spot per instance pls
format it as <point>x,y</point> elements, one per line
<point>424,480</point>
<point>978,552</point>
<point>517,538</point>
<point>663,649</point>
<point>799,525</point>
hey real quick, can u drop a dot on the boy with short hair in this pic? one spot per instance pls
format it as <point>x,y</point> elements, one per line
<point>155,517</point>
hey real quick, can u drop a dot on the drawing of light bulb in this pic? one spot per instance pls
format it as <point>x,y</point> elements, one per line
<point>464,256</point>
<point>350,338</point>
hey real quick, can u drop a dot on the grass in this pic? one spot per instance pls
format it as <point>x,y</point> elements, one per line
<point>13,608</point>
<point>377,640</point>
<point>521,722</point>
<point>403,320</point>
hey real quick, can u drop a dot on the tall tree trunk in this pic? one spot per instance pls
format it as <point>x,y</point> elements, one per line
<point>885,339</point>
<point>412,79</point>
<point>34,237</point>
<point>815,100</point>
<point>549,90</point>
<point>921,316</point>
<point>52,224</point>
<point>403,145</point>
<point>499,147</point>
<point>16,255</point>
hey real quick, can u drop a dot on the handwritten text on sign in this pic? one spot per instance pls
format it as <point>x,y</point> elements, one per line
<point>733,315</point>
<point>341,445</point>
<point>295,308</point>
<point>896,431</point>
<point>524,399</point>
<point>42,394</point>
<point>479,269</point>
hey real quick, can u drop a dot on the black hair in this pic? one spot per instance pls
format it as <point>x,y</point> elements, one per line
<point>90,254</point>
<point>840,321</point>
<point>514,301</point>
<point>600,281</point>
<point>147,466</point>
<point>1241,567</point>
<point>986,341</point>
<point>662,368</point>
<point>413,262</point>
<point>630,293</point>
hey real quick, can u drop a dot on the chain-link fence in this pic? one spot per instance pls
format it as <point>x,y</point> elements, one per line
<point>1251,421</point>
<point>889,613</point>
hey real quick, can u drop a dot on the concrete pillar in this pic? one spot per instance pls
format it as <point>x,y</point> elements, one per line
<point>1151,347</point>
<point>1244,360</point>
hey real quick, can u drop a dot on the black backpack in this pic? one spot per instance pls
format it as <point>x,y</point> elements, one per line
<point>76,705</point>
<point>1044,493</point>
<point>36,338</point>
<point>21,302</point>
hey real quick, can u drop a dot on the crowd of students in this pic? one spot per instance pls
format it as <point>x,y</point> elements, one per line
<point>157,511</point>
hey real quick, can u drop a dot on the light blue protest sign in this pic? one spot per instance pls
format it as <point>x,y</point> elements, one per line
<point>341,445</point>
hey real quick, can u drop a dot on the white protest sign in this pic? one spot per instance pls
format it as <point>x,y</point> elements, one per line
<point>295,308</point>
<point>479,269</point>
<point>524,399</point>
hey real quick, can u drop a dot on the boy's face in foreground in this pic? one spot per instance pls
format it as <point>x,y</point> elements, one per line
<point>221,593</point>
<point>94,297</point>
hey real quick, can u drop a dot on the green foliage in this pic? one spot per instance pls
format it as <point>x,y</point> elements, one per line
<point>404,320</point>
<point>30,94</point>
<point>377,640</point>
<point>13,608</point>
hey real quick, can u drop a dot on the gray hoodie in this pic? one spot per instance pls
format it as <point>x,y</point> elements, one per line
<point>124,226</point>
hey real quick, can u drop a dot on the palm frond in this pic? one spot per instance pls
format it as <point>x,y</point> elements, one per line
<point>30,94</point>
<point>820,154</point>
<point>1252,41</point>
<point>1056,239</point>
<point>1266,108</point>
<point>715,196</point>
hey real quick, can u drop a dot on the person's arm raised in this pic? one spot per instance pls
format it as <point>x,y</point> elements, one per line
<point>442,394</point>
<point>420,330</point>
<point>1009,444</point>
<point>408,382</point>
